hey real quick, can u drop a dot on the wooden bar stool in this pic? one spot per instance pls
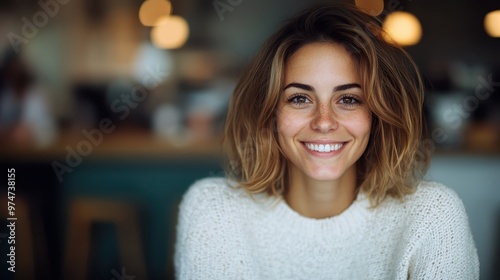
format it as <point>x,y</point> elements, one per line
<point>83,213</point>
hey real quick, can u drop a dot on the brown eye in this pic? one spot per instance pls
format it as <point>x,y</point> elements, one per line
<point>349,100</point>
<point>298,100</point>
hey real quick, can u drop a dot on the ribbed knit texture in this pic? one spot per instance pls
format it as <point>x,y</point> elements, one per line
<point>223,233</point>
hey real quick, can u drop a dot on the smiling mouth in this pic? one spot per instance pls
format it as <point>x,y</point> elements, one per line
<point>324,148</point>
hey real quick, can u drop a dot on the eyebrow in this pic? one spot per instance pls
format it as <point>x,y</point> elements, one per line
<point>310,88</point>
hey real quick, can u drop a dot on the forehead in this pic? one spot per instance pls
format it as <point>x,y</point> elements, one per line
<point>321,60</point>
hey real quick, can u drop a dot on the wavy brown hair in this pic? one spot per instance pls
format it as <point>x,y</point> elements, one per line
<point>394,160</point>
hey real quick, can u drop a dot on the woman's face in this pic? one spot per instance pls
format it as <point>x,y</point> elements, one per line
<point>322,120</point>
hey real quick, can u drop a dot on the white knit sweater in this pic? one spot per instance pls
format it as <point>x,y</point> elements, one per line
<point>225,234</point>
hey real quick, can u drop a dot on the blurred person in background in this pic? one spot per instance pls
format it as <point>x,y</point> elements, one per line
<point>324,137</point>
<point>25,115</point>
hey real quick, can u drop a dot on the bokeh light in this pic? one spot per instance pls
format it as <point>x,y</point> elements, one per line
<point>371,7</point>
<point>152,10</point>
<point>170,32</point>
<point>492,23</point>
<point>402,28</point>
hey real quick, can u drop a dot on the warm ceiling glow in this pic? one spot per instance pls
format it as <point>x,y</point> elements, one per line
<point>402,28</point>
<point>152,10</point>
<point>371,7</point>
<point>170,32</point>
<point>492,23</point>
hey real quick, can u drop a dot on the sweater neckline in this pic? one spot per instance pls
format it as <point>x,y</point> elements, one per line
<point>349,220</point>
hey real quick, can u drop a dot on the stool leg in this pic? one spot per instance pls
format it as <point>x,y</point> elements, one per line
<point>78,243</point>
<point>24,242</point>
<point>124,216</point>
<point>131,247</point>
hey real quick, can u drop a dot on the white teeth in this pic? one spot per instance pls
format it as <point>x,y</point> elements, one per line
<point>324,148</point>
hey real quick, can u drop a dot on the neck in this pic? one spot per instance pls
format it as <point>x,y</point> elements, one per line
<point>320,199</point>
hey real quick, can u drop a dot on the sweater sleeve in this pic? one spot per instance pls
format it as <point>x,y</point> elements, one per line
<point>446,249</point>
<point>206,245</point>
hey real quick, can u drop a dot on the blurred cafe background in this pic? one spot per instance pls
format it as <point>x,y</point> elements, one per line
<point>110,109</point>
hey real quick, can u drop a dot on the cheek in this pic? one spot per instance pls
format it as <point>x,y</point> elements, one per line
<point>288,123</point>
<point>360,124</point>
<point>365,125</point>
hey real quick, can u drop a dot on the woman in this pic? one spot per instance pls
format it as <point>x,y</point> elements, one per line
<point>325,181</point>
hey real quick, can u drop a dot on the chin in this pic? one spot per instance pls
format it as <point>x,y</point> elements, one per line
<point>324,174</point>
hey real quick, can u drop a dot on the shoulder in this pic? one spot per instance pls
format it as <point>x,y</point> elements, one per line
<point>432,206</point>
<point>437,193</point>
<point>208,206</point>
<point>436,212</point>
<point>208,188</point>
<point>436,199</point>
<point>209,240</point>
<point>440,240</point>
<point>209,194</point>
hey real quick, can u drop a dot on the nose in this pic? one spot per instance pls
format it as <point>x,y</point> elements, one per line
<point>324,119</point>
